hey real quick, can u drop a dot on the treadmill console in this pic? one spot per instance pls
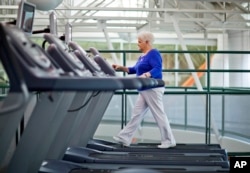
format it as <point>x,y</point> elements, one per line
<point>73,60</point>
<point>30,54</point>
<point>86,59</point>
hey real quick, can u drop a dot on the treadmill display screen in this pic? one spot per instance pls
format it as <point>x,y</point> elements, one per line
<point>25,18</point>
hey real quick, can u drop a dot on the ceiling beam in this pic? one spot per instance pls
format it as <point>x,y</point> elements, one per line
<point>179,10</point>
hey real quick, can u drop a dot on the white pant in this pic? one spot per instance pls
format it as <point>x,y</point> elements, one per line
<point>151,99</point>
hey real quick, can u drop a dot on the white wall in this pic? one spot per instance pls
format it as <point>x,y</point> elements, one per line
<point>239,41</point>
<point>220,61</point>
<point>232,41</point>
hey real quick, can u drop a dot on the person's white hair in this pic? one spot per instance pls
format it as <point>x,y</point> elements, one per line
<point>146,36</point>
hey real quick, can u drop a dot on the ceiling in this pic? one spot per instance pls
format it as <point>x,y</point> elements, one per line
<point>120,17</point>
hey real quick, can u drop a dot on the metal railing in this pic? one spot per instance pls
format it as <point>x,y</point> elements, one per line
<point>207,90</point>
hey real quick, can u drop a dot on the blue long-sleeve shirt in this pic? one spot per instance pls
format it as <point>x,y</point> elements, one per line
<point>151,62</point>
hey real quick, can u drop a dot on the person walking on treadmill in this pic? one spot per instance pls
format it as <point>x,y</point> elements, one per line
<point>148,65</point>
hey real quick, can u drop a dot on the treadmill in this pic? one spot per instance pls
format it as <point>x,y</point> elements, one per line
<point>24,50</point>
<point>87,152</point>
<point>82,151</point>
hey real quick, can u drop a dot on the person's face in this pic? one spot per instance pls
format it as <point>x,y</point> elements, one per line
<point>141,44</point>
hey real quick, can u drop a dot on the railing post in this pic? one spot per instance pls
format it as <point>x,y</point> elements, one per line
<point>208,103</point>
<point>124,98</point>
<point>223,114</point>
<point>123,116</point>
<point>185,108</point>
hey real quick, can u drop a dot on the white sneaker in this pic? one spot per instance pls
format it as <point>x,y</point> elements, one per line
<point>121,141</point>
<point>166,145</point>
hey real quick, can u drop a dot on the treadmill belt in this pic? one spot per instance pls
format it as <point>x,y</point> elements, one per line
<point>63,166</point>
<point>151,157</point>
<point>154,145</point>
<point>102,145</point>
<point>86,155</point>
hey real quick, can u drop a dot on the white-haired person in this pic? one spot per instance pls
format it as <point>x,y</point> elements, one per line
<point>148,65</point>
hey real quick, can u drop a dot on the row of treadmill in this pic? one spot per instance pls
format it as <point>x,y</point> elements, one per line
<point>73,90</point>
